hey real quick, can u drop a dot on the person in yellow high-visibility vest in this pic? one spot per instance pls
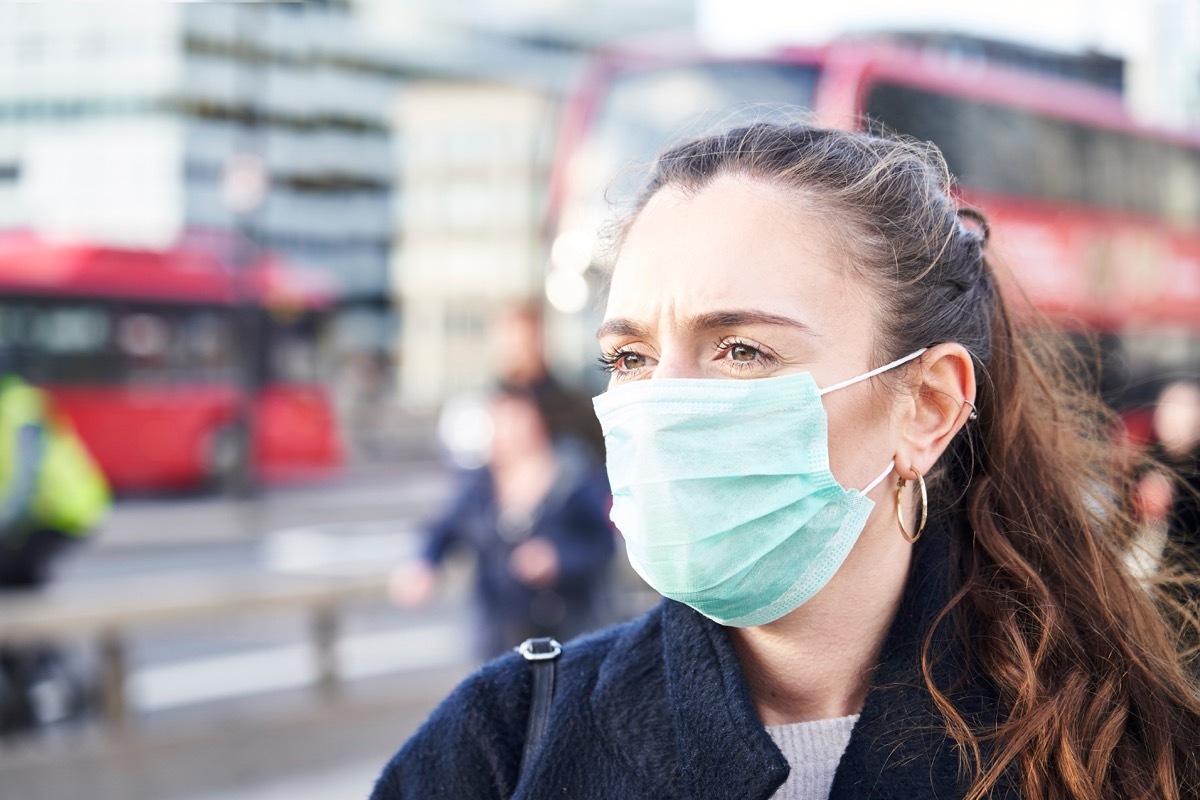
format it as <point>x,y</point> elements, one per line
<point>52,493</point>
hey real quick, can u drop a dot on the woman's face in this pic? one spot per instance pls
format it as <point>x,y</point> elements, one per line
<point>1177,418</point>
<point>517,428</point>
<point>737,282</point>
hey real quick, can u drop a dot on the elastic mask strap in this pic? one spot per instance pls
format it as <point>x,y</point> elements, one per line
<point>891,465</point>
<point>872,373</point>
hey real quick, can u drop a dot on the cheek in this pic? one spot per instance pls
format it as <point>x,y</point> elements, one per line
<point>860,437</point>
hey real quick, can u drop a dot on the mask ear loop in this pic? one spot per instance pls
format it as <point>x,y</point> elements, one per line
<point>891,464</point>
<point>882,476</point>
<point>872,373</point>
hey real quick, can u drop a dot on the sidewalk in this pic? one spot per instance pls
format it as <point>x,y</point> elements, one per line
<point>344,783</point>
<point>260,748</point>
<point>362,492</point>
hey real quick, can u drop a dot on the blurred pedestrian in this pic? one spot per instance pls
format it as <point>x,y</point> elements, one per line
<point>52,495</point>
<point>518,341</point>
<point>536,519</point>
<point>888,530</point>
<point>1176,428</point>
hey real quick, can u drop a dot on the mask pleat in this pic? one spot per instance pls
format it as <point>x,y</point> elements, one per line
<point>736,506</point>
<point>703,565</point>
<point>764,592</point>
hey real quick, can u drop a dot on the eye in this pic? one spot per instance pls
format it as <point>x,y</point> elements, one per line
<point>631,361</point>
<point>742,352</point>
<point>741,355</point>
<point>622,361</point>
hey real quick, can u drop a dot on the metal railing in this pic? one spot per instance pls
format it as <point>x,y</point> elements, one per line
<point>108,615</point>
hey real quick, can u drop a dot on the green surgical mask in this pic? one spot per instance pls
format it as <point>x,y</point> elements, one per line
<point>722,491</point>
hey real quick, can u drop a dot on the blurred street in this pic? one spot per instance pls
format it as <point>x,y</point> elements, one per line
<point>204,532</point>
<point>268,268</point>
<point>239,691</point>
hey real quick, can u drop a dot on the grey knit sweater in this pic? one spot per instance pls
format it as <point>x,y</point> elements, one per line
<point>813,749</point>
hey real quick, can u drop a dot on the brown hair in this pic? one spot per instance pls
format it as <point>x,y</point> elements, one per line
<point>1098,700</point>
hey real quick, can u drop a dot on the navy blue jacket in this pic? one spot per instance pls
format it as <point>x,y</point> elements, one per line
<point>573,517</point>
<point>659,708</point>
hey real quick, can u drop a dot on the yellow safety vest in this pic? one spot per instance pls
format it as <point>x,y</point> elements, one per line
<point>71,494</point>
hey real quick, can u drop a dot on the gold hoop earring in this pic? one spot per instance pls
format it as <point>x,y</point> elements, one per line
<point>924,509</point>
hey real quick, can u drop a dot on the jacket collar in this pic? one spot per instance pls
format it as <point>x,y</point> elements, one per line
<point>673,703</point>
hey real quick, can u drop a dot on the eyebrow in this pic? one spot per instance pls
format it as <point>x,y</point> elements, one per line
<point>621,326</point>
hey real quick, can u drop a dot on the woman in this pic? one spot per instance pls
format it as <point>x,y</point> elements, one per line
<point>536,520</point>
<point>886,532</point>
<point>1176,426</point>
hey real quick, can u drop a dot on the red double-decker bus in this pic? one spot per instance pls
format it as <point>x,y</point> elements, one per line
<point>1096,216</point>
<point>178,368</point>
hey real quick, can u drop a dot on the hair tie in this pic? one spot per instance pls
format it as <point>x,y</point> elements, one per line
<point>976,216</point>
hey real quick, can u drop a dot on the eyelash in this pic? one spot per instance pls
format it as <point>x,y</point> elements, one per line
<point>607,362</point>
<point>610,362</point>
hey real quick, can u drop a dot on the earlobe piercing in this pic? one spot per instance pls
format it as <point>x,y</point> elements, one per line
<point>900,511</point>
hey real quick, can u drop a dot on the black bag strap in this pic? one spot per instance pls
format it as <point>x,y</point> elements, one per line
<point>541,654</point>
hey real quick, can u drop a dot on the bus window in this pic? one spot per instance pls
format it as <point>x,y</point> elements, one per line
<point>1173,351</point>
<point>1058,174</point>
<point>293,344</point>
<point>1104,173</point>
<point>16,325</point>
<point>986,146</point>
<point>209,342</point>
<point>70,344</point>
<point>13,325</point>
<point>171,344</point>
<point>144,340</point>
<point>643,110</point>
<point>1015,152</point>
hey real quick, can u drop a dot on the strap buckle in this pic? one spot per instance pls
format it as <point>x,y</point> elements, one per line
<point>541,649</point>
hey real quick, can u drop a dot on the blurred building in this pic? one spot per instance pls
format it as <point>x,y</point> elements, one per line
<point>403,147</point>
<point>475,138</point>
<point>1164,70</point>
<point>475,179</point>
<point>119,123</point>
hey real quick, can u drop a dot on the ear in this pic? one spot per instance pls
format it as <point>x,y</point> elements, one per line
<point>942,399</point>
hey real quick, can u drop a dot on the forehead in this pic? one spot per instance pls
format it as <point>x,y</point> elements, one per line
<point>737,243</point>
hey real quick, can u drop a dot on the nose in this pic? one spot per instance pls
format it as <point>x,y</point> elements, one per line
<point>677,362</point>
